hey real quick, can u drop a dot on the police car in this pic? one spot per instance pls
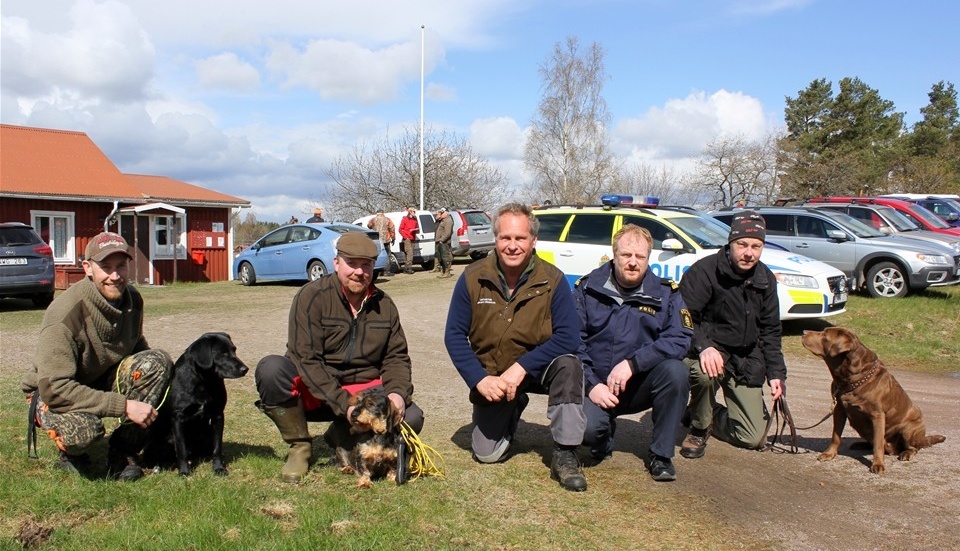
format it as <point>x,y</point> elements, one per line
<point>577,239</point>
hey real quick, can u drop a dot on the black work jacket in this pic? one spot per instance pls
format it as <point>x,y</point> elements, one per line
<point>738,314</point>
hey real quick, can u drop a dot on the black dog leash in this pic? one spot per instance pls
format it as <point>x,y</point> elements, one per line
<point>32,426</point>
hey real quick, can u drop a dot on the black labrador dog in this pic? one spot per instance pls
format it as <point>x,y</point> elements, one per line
<point>189,424</point>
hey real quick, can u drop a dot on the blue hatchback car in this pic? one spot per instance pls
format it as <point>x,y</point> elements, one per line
<point>298,252</point>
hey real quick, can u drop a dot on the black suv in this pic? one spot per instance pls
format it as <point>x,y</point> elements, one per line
<point>26,264</point>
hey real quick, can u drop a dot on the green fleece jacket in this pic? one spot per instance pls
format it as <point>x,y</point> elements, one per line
<point>82,340</point>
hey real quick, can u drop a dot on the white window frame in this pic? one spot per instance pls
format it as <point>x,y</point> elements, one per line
<point>69,238</point>
<point>164,251</point>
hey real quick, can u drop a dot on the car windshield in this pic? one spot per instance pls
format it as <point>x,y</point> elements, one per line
<point>898,220</point>
<point>851,224</point>
<point>707,233</point>
<point>930,218</point>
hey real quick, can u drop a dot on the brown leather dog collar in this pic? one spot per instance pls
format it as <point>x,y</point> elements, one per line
<point>863,380</point>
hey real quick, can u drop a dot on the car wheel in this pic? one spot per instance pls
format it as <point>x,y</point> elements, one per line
<point>394,263</point>
<point>42,300</point>
<point>316,270</point>
<point>247,276</point>
<point>886,280</point>
<point>428,265</point>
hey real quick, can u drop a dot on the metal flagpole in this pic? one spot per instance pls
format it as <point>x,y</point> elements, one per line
<point>421,116</point>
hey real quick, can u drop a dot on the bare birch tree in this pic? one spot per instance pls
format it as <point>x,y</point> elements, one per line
<point>567,151</point>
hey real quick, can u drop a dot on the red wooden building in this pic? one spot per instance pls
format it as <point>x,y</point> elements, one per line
<point>63,185</point>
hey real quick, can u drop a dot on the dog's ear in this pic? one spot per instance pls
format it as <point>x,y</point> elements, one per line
<point>201,351</point>
<point>839,341</point>
<point>355,399</point>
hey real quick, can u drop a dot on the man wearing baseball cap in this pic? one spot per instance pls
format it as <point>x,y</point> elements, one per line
<point>732,298</point>
<point>93,362</point>
<point>344,336</point>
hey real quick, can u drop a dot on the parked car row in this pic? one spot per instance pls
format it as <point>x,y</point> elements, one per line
<point>577,239</point>
<point>885,265</point>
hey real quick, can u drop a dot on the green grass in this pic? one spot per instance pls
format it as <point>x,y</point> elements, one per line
<point>498,507</point>
<point>919,332</point>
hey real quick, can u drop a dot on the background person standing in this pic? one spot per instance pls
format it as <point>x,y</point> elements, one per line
<point>443,236</point>
<point>409,228</point>
<point>388,233</point>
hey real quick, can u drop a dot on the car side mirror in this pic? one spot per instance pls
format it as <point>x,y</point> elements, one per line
<point>837,235</point>
<point>671,245</point>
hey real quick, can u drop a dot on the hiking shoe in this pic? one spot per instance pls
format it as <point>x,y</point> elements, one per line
<point>408,271</point>
<point>661,469</point>
<point>695,444</point>
<point>124,469</point>
<point>130,473</point>
<point>565,468</point>
<point>73,464</point>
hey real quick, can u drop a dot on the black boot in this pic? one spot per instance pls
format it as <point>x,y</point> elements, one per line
<point>122,451</point>
<point>565,468</point>
<point>73,464</point>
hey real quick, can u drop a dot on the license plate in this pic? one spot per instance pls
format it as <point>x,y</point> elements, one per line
<point>481,232</point>
<point>12,261</point>
<point>839,297</point>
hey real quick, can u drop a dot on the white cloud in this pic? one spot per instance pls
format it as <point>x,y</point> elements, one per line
<point>104,53</point>
<point>227,72</point>
<point>346,71</point>
<point>440,92</point>
<point>682,127</point>
<point>497,138</point>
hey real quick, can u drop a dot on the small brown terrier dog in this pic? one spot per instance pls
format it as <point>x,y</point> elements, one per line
<point>867,394</point>
<point>370,449</point>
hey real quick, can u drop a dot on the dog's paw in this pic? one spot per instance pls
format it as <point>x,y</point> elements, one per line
<point>826,456</point>
<point>364,482</point>
<point>185,470</point>
<point>220,471</point>
<point>907,455</point>
<point>347,469</point>
<point>877,468</point>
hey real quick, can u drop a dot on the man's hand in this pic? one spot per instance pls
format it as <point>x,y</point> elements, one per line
<point>602,396</point>
<point>398,403</point>
<point>711,362</point>
<point>776,389</point>
<point>503,386</point>
<point>492,388</point>
<point>618,377</point>
<point>141,413</point>
<point>512,378</point>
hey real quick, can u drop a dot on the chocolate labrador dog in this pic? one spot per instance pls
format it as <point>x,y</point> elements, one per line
<point>189,424</point>
<point>868,395</point>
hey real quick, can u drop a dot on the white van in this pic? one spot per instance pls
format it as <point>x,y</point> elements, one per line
<point>424,246</point>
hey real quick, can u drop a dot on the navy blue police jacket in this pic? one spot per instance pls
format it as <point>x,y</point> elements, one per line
<point>645,326</point>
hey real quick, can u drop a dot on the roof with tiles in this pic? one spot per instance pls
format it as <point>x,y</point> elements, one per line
<point>41,162</point>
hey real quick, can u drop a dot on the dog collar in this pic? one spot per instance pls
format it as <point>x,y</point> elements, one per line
<point>864,379</point>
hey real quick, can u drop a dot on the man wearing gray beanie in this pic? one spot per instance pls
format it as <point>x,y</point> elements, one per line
<point>732,298</point>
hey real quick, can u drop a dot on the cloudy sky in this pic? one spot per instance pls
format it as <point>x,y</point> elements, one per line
<point>257,98</point>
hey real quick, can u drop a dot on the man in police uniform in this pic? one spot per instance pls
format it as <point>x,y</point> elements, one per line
<point>635,331</point>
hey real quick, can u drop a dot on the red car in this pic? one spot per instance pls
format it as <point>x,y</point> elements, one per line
<point>917,214</point>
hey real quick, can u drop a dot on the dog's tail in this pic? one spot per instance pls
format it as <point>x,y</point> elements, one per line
<point>934,439</point>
